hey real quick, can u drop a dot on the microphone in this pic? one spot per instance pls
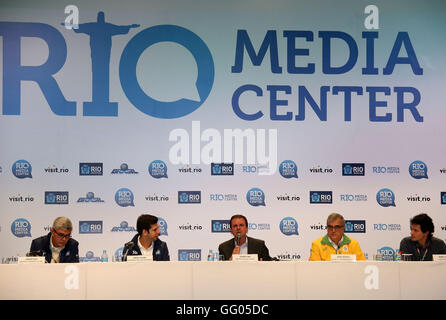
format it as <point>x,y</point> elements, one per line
<point>237,238</point>
<point>125,252</point>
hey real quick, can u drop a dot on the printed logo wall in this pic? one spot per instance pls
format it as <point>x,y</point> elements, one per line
<point>284,112</point>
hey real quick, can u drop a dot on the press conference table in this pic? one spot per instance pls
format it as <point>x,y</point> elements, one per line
<point>284,280</point>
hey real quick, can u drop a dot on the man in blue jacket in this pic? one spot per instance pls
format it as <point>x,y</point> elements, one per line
<point>57,246</point>
<point>146,242</point>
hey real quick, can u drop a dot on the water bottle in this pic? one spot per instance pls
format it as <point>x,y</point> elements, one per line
<point>104,256</point>
<point>210,255</point>
<point>216,255</point>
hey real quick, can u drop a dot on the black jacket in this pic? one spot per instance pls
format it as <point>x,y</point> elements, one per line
<point>255,246</point>
<point>69,254</point>
<point>160,250</point>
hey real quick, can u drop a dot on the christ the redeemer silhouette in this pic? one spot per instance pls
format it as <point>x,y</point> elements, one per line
<point>101,34</point>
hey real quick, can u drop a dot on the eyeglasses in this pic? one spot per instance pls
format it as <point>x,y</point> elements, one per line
<point>63,236</point>
<point>337,227</point>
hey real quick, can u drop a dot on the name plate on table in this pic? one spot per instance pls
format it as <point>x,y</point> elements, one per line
<point>245,257</point>
<point>139,259</point>
<point>439,257</point>
<point>343,257</point>
<point>25,260</point>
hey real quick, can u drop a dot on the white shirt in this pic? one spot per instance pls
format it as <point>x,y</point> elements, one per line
<point>144,251</point>
<point>55,252</point>
<point>243,247</point>
<point>334,244</point>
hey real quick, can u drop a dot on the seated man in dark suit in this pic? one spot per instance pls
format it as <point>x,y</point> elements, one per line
<point>241,243</point>
<point>57,246</point>
<point>146,242</point>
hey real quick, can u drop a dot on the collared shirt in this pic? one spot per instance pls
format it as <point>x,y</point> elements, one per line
<point>55,252</point>
<point>243,247</point>
<point>335,245</point>
<point>322,248</point>
<point>144,251</point>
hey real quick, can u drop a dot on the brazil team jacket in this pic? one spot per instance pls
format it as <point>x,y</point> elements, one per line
<point>322,249</point>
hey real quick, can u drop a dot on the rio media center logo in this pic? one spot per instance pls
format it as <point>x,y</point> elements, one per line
<point>255,197</point>
<point>418,170</point>
<point>21,228</point>
<point>353,169</point>
<point>222,169</point>
<point>124,197</point>
<point>185,197</point>
<point>162,225</point>
<point>387,227</point>
<point>189,255</point>
<point>355,226</point>
<point>221,226</point>
<point>118,254</point>
<point>288,169</point>
<point>22,169</point>
<point>321,197</point>
<point>288,226</point>
<point>388,254</point>
<point>56,197</point>
<point>100,33</point>
<point>385,198</point>
<point>158,169</point>
<point>90,169</point>
<point>90,227</point>
<point>443,197</point>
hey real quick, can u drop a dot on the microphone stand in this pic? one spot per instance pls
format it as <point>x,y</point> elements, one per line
<point>127,247</point>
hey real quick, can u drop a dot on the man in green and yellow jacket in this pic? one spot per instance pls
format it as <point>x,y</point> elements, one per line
<point>335,242</point>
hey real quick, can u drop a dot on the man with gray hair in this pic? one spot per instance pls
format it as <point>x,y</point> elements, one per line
<point>335,241</point>
<point>57,246</point>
